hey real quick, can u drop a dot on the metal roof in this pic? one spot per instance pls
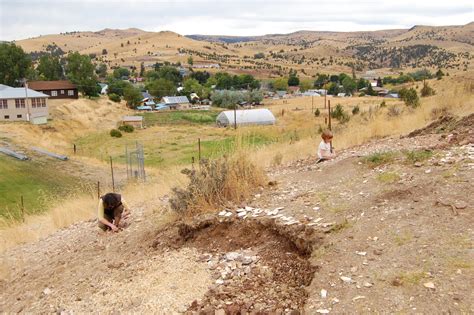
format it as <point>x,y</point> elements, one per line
<point>132,118</point>
<point>11,92</point>
<point>175,99</point>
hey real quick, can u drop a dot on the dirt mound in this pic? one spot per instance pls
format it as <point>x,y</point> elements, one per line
<point>258,265</point>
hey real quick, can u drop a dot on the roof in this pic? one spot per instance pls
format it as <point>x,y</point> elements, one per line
<point>261,116</point>
<point>132,118</point>
<point>147,95</point>
<point>175,99</point>
<point>11,92</point>
<point>51,85</point>
<point>144,107</point>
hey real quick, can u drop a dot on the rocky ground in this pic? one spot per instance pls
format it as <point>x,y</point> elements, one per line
<point>367,232</point>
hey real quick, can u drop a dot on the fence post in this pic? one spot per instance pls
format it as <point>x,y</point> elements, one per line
<point>22,209</point>
<point>199,149</point>
<point>112,172</point>
<point>74,148</point>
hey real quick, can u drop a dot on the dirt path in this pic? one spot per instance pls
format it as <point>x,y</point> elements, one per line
<point>378,233</point>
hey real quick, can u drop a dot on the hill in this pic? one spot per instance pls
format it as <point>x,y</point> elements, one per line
<point>447,47</point>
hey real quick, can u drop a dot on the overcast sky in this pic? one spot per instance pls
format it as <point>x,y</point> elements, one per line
<point>29,18</point>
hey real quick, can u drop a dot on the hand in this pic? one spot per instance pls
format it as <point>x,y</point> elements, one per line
<point>114,228</point>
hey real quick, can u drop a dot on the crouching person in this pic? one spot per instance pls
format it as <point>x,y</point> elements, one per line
<point>111,210</point>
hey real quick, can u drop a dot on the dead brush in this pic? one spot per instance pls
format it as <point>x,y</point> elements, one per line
<point>216,183</point>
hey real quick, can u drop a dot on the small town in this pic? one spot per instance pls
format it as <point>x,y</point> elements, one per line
<point>227,158</point>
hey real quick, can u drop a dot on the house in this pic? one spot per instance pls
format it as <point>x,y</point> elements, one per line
<point>135,121</point>
<point>260,116</point>
<point>294,89</point>
<point>55,89</point>
<point>176,102</point>
<point>148,99</point>
<point>281,94</point>
<point>21,104</point>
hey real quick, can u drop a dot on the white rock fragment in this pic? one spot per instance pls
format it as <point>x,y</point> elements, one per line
<point>359,297</point>
<point>322,311</point>
<point>361,253</point>
<point>228,214</point>
<point>335,300</point>
<point>222,213</point>
<point>429,285</point>
<point>248,208</point>
<point>219,281</point>
<point>346,279</point>
<point>316,208</point>
<point>367,284</point>
<point>324,293</point>
<point>47,291</point>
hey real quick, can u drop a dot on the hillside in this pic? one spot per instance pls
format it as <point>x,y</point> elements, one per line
<point>389,229</point>
<point>447,47</point>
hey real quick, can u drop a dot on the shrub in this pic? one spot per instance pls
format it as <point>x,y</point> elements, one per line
<point>115,133</point>
<point>394,111</point>
<point>115,98</point>
<point>126,128</point>
<point>379,158</point>
<point>383,104</point>
<point>427,90</point>
<point>339,114</point>
<point>417,155</point>
<point>216,183</point>
<point>317,112</point>
<point>410,97</point>
<point>355,110</point>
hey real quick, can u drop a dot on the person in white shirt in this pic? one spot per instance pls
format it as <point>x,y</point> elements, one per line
<point>325,150</point>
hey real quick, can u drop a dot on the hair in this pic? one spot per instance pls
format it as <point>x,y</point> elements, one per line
<point>326,134</point>
<point>109,200</point>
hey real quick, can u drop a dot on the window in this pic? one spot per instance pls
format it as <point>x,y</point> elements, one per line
<point>43,102</point>
<point>19,116</point>
<point>19,103</point>
<point>54,93</point>
<point>3,104</point>
<point>6,116</point>
<point>62,91</point>
<point>33,102</point>
<point>70,92</point>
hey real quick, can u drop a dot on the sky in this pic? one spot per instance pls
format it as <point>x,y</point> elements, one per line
<point>21,19</point>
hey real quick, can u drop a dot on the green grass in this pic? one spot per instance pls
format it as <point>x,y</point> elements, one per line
<point>379,158</point>
<point>36,181</point>
<point>417,155</point>
<point>388,177</point>
<point>181,117</point>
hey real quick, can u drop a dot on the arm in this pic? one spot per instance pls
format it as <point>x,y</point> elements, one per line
<point>102,219</point>
<point>326,153</point>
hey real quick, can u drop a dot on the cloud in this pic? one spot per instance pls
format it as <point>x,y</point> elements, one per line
<point>21,18</point>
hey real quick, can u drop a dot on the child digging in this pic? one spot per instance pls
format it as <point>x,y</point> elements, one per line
<point>111,210</point>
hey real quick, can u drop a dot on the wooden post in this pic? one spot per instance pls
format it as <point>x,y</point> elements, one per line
<point>325,93</point>
<point>74,148</point>
<point>22,209</point>
<point>199,149</point>
<point>329,115</point>
<point>112,172</point>
<point>98,190</point>
<point>192,161</point>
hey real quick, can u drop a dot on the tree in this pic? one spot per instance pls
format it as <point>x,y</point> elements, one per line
<point>255,97</point>
<point>362,83</point>
<point>410,97</point>
<point>142,69</point>
<point>321,79</point>
<point>293,79</point>
<point>333,88</point>
<point>280,84</point>
<point>259,55</point>
<point>170,73</point>
<point>121,72</point>
<point>370,90</point>
<point>161,87</point>
<point>50,68</point>
<point>104,51</point>
<point>379,82</point>
<point>227,99</point>
<point>349,85</point>
<point>80,71</point>
<point>190,60</point>
<point>201,76</point>
<point>224,81</point>
<point>439,74</point>
<point>193,86</point>
<point>116,86</point>
<point>101,70</point>
<point>305,85</point>
<point>427,90</point>
<point>132,95</point>
<point>14,64</point>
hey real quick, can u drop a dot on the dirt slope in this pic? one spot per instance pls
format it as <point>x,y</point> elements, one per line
<point>364,233</point>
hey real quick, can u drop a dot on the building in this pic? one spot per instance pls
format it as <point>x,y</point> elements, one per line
<point>135,121</point>
<point>55,89</point>
<point>176,102</point>
<point>260,116</point>
<point>20,104</point>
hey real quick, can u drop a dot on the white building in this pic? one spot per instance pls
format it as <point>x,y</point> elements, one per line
<point>21,104</point>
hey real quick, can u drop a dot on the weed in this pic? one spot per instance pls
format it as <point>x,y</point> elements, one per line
<point>394,111</point>
<point>409,277</point>
<point>379,158</point>
<point>417,155</point>
<point>403,238</point>
<point>340,226</point>
<point>355,110</point>
<point>115,133</point>
<point>339,114</point>
<point>388,177</point>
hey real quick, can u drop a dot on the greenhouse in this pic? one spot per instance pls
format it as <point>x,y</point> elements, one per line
<point>261,116</point>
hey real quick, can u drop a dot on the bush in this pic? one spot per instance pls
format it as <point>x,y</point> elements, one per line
<point>383,104</point>
<point>339,114</point>
<point>115,133</point>
<point>215,184</point>
<point>410,97</point>
<point>427,90</point>
<point>126,128</point>
<point>317,112</point>
<point>379,158</point>
<point>115,98</point>
<point>355,110</point>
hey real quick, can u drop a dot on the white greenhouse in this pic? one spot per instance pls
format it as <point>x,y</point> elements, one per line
<point>246,117</point>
